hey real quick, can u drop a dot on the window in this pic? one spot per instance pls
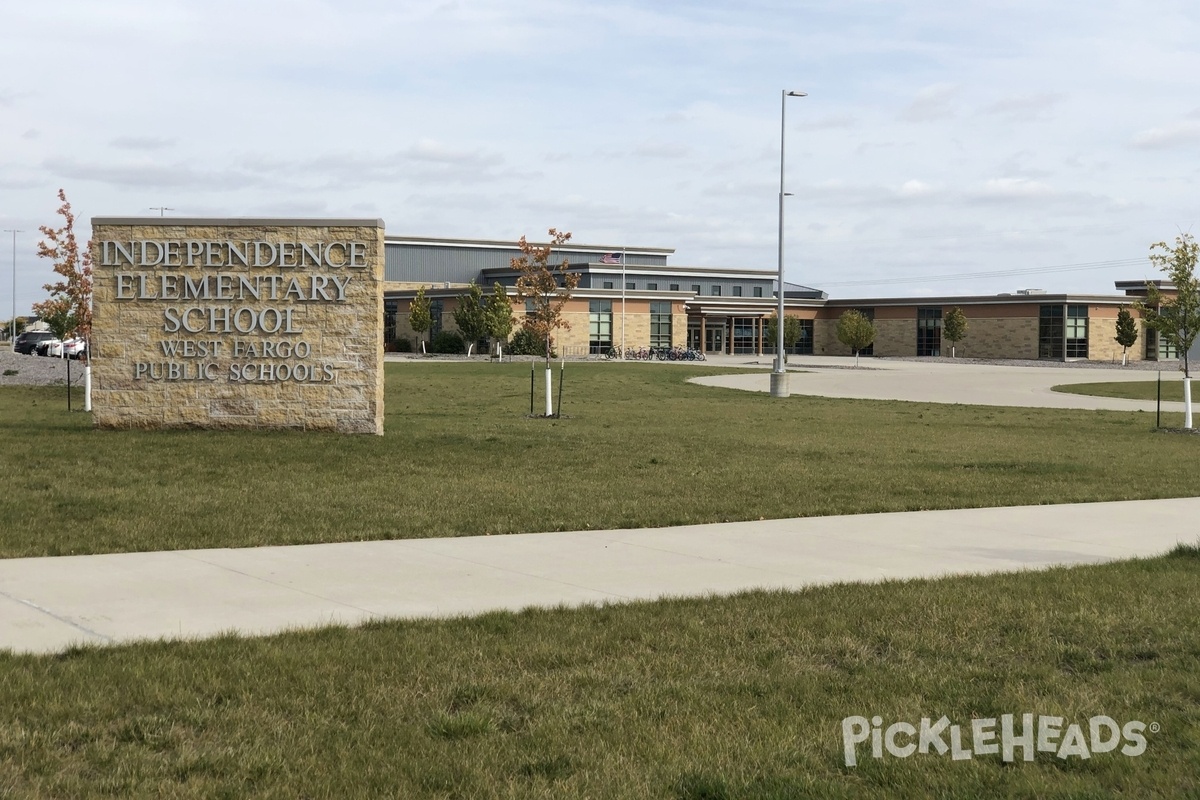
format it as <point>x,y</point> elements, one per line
<point>389,321</point>
<point>435,316</point>
<point>716,290</point>
<point>695,288</point>
<point>1077,332</point>
<point>660,324</point>
<point>869,313</point>
<point>608,284</point>
<point>1050,332</point>
<point>1158,348</point>
<point>929,331</point>
<point>737,291</point>
<point>599,326</point>
<point>652,287</point>
<point>630,285</point>
<point>743,335</point>
<point>804,345</point>
<point>674,287</point>
<point>758,291</point>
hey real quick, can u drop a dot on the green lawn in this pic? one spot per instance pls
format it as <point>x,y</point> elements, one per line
<point>701,699</point>
<point>1172,389</point>
<point>686,700</point>
<point>639,447</point>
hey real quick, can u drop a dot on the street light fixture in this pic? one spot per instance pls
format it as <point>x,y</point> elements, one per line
<point>779,381</point>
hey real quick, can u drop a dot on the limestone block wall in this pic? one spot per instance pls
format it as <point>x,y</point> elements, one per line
<point>997,337</point>
<point>1102,337</point>
<point>238,323</point>
<point>893,337</point>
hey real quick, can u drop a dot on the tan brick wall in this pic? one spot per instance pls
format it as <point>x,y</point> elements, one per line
<point>215,356</point>
<point>893,337</point>
<point>987,337</point>
<point>1102,341</point>
<point>997,337</point>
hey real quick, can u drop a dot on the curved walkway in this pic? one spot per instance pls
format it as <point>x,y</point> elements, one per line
<point>47,604</point>
<point>968,383</point>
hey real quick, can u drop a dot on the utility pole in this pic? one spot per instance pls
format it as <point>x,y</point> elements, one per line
<point>13,321</point>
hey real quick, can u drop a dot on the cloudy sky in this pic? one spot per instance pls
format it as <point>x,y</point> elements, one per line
<point>964,146</point>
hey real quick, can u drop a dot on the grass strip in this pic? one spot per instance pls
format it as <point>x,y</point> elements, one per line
<point>740,697</point>
<point>1172,389</point>
<point>639,447</point>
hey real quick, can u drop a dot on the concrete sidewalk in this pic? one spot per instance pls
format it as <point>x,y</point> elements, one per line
<point>47,604</point>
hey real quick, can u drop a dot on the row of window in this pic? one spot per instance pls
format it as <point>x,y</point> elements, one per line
<point>600,325</point>
<point>713,290</point>
<point>1062,330</point>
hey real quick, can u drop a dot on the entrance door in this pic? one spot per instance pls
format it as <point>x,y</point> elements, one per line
<point>714,336</point>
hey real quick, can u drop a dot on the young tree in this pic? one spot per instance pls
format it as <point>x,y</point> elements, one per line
<point>500,316</point>
<point>69,308</point>
<point>545,290</point>
<point>793,331</point>
<point>954,328</point>
<point>1177,319</point>
<point>419,318</point>
<point>1127,332</point>
<point>74,291</point>
<point>855,331</point>
<point>471,317</point>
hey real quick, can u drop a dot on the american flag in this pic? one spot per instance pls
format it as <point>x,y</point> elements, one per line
<point>610,258</point>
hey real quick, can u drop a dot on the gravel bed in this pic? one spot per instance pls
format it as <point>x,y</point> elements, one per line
<point>19,370</point>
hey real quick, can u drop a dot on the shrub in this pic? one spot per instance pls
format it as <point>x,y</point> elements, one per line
<point>525,343</point>
<point>403,346</point>
<point>448,342</point>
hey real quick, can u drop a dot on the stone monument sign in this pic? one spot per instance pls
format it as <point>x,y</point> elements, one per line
<point>238,323</point>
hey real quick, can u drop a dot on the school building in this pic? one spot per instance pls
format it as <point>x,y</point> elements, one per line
<point>632,295</point>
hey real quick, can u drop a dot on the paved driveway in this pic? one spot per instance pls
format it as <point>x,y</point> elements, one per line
<point>969,383</point>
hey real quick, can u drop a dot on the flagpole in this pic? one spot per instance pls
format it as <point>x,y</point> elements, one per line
<point>622,303</point>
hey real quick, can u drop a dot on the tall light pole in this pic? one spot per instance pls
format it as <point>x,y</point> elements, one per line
<point>162,210</point>
<point>13,321</point>
<point>779,381</point>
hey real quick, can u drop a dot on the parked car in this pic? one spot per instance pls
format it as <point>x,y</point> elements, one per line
<point>48,347</point>
<point>75,347</point>
<point>28,341</point>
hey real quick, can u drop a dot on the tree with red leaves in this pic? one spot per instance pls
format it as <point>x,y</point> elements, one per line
<point>545,290</point>
<point>70,303</point>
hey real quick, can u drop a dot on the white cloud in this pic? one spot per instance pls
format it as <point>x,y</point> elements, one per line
<point>141,143</point>
<point>932,103</point>
<point>1179,134</point>
<point>915,188</point>
<point>1013,189</point>
<point>829,122</point>
<point>1026,107</point>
